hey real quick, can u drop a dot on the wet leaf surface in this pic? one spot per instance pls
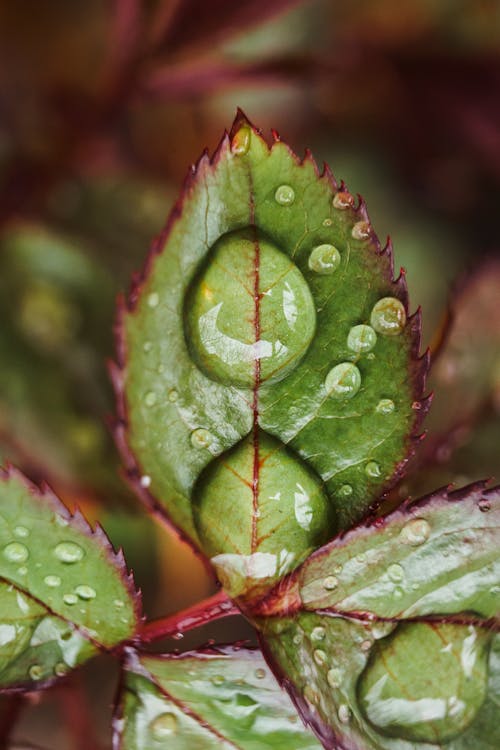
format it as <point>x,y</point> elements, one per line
<point>65,595</point>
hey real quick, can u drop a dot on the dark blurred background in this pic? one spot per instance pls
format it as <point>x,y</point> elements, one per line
<point>103,106</point>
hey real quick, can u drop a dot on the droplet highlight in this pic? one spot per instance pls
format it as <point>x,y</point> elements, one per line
<point>415,532</point>
<point>85,592</point>
<point>388,316</point>
<point>361,339</point>
<point>335,677</point>
<point>343,381</point>
<point>343,200</point>
<point>69,552</point>
<point>16,552</point>
<point>284,195</point>
<point>330,583</point>
<point>52,581</point>
<point>163,726</point>
<point>318,633</point>
<point>201,438</point>
<point>240,145</point>
<point>324,259</point>
<point>150,398</point>
<point>361,230</point>
<point>395,572</point>
<point>372,470</point>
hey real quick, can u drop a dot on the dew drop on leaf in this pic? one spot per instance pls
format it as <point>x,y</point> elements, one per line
<point>16,552</point>
<point>335,677</point>
<point>150,398</point>
<point>85,592</point>
<point>330,583</point>
<point>70,599</point>
<point>372,469</point>
<point>388,316</point>
<point>361,338</point>
<point>172,395</point>
<point>415,532</point>
<point>385,406</point>
<point>69,552</point>
<point>343,381</point>
<point>345,490</point>
<point>320,657</point>
<point>21,532</point>
<point>201,438</point>
<point>163,726</point>
<point>343,200</point>
<point>52,581</point>
<point>240,144</point>
<point>361,230</point>
<point>324,259</point>
<point>35,672</point>
<point>61,669</point>
<point>284,195</point>
<point>344,713</point>
<point>153,299</point>
<point>260,673</point>
<point>318,633</point>
<point>395,572</point>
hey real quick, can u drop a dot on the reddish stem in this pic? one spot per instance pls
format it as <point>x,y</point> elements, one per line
<point>10,710</point>
<point>213,608</point>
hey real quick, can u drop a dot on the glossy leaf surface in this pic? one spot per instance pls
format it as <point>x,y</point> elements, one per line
<point>267,311</point>
<point>216,698</point>
<point>64,593</point>
<point>393,639</point>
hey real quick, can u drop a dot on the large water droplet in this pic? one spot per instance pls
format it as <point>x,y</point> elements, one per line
<point>395,572</point>
<point>372,470</point>
<point>361,230</point>
<point>415,532</point>
<point>361,339</point>
<point>201,438</point>
<point>240,144</point>
<point>385,406</point>
<point>249,315</point>
<point>439,696</point>
<point>52,581</point>
<point>69,552</point>
<point>343,381</point>
<point>284,195</point>
<point>85,592</point>
<point>16,552</point>
<point>343,200</point>
<point>388,316</point>
<point>318,633</point>
<point>335,677</point>
<point>164,726</point>
<point>35,672</point>
<point>324,259</point>
<point>21,531</point>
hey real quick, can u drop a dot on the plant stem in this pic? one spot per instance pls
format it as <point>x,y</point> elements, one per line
<point>208,610</point>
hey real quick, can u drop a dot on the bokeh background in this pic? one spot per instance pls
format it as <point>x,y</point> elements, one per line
<point>104,104</point>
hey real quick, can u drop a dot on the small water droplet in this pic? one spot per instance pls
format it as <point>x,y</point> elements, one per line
<point>118,603</point>
<point>311,695</point>
<point>484,505</point>
<point>395,572</point>
<point>345,490</point>
<point>330,583</point>
<point>150,398</point>
<point>85,592</point>
<point>260,673</point>
<point>361,557</point>
<point>147,346</point>
<point>201,438</point>
<point>35,672</point>
<point>60,669</point>
<point>178,636</point>
<point>415,532</point>
<point>218,680</point>
<point>145,481</point>
<point>70,599</point>
<point>385,406</point>
<point>372,469</point>
<point>22,571</point>
<point>361,230</point>
<point>319,657</point>
<point>240,144</point>
<point>324,259</point>
<point>69,552</point>
<point>344,713</point>
<point>361,339</point>
<point>297,639</point>
<point>153,299</point>
<point>388,316</point>
<point>343,200</point>
<point>284,195</point>
<point>16,552</point>
<point>21,531</point>
<point>172,395</point>
<point>163,726</point>
<point>52,581</point>
<point>335,677</point>
<point>343,381</point>
<point>327,222</point>
<point>318,633</point>
<point>366,645</point>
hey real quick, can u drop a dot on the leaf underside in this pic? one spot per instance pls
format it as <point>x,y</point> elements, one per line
<point>227,353</point>
<point>223,697</point>
<point>397,622</point>
<point>65,594</point>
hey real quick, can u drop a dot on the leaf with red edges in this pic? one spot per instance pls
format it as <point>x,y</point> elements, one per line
<point>268,380</point>
<point>65,594</point>
<point>385,638</point>
<point>222,697</point>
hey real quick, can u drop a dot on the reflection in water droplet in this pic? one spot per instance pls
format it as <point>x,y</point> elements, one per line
<point>69,552</point>
<point>344,713</point>
<point>319,657</point>
<point>330,583</point>
<point>385,406</point>
<point>361,339</point>
<point>324,259</point>
<point>240,144</point>
<point>388,316</point>
<point>16,552</point>
<point>327,222</point>
<point>284,195</point>
<point>415,532</point>
<point>318,633</point>
<point>343,381</point>
<point>372,469</point>
<point>21,531</point>
<point>60,669</point>
<point>85,592</point>
<point>361,230</point>
<point>484,505</point>
<point>35,672</point>
<point>343,200</point>
<point>335,676</point>
<point>172,395</point>
<point>52,581</point>
<point>70,599</point>
<point>297,639</point>
<point>163,726</point>
<point>437,699</point>
<point>153,299</point>
<point>345,490</point>
<point>260,673</point>
<point>201,438</point>
<point>395,572</point>
<point>145,481</point>
<point>150,398</point>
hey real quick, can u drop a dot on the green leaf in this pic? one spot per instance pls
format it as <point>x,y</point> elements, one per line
<point>65,594</point>
<point>386,636</point>
<point>223,697</point>
<point>266,315</point>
